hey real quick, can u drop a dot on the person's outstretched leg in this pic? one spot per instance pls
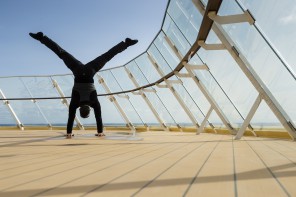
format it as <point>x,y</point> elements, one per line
<point>69,60</point>
<point>100,61</point>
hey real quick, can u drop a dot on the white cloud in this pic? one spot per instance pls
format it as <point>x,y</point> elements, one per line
<point>290,18</point>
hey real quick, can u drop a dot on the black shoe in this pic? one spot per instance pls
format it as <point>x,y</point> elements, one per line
<point>37,36</point>
<point>130,42</point>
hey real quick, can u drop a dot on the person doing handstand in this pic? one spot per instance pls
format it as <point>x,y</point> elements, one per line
<point>84,94</point>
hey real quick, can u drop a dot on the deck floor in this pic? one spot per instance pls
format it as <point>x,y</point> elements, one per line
<point>43,163</point>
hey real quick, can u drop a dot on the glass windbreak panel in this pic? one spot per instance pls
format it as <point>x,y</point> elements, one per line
<point>110,115</point>
<point>28,113</point>
<point>278,26</point>
<point>205,2</point>
<point>6,118</point>
<point>146,68</point>
<point>229,6</point>
<point>158,101</point>
<point>129,110</point>
<point>66,83</point>
<point>187,18</point>
<point>215,89</point>
<point>160,108</point>
<point>265,63</point>
<point>166,51</point>
<point>156,57</point>
<point>14,87</point>
<point>55,112</point>
<point>229,75</point>
<point>143,109</point>
<point>123,79</point>
<point>112,84</point>
<point>138,74</point>
<point>216,121</point>
<point>39,87</point>
<point>187,99</point>
<point>173,106</point>
<point>110,81</point>
<point>196,94</point>
<point>176,37</point>
<point>26,110</point>
<point>264,118</point>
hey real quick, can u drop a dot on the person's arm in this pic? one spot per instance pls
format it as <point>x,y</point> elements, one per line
<point>71,117</point>
<point>98,116</point>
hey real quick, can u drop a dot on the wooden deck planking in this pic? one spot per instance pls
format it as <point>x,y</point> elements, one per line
<point>42,163</point>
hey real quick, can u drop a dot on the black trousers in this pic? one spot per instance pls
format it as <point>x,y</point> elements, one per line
<point>83,74</point>
<point>73,64</point>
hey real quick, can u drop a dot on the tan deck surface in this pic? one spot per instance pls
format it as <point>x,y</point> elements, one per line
<point>42,163</point>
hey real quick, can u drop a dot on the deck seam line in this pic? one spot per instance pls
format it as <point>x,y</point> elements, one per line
<point>280,154</point>
<point>270,171</point>
<point>47,160</point>
<point>96,171</point>
<point>61,172</point>
<point>57,163</point>
<point>200,169</point>
<point>234,170</point>
<point>133,169</point>
<point>180,159</point>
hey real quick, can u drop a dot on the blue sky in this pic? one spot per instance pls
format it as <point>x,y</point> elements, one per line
<point>85,28</point>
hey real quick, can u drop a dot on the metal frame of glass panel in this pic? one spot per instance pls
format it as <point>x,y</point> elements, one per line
<point>229,45</point>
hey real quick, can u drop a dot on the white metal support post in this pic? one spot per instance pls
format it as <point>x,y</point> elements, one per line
<point>205,92</point>
<point>65,101</point>
<point>195,67</point>
<point>6,102</point>
<point>175,93</point>
<point>210,46</point>
<point>249,117</point>
<point>238,18</point>
<point>255,80</point>
<point>142,93</point>
<point>116,104</point>
<point>203,123</point>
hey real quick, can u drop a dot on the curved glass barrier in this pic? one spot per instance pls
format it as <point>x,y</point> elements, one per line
<point>262,58</point>
<point>208,81</point>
